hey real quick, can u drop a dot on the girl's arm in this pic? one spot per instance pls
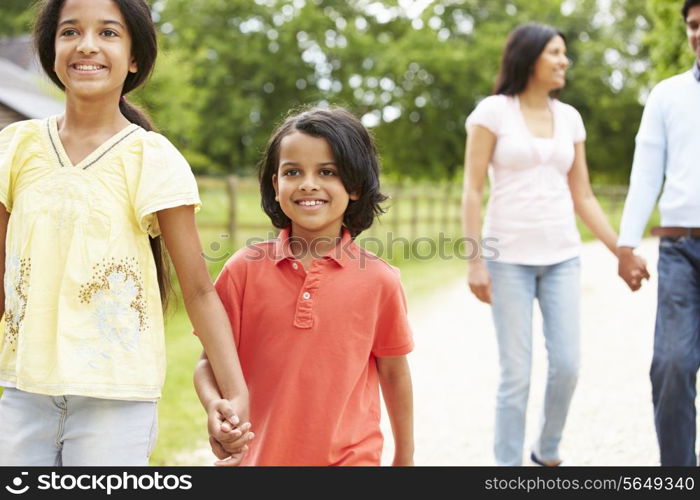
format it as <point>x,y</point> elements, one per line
<point>395,380</point>
<point>585,203</point>
<point>479,149</point>
<point>203,305</point>
<point>4,220</point>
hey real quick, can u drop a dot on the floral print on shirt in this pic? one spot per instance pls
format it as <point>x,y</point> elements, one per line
<point>17,273</point>
<point>116,293</point>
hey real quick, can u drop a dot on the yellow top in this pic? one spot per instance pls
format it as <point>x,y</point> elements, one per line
<point>82,307</point>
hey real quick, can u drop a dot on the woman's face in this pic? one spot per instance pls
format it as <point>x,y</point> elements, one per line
<point>550,67</point>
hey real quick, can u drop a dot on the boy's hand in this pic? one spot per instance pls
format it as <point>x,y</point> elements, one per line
<point>226,459</point>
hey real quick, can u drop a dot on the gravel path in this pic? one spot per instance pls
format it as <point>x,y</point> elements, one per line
<point>455,372</point>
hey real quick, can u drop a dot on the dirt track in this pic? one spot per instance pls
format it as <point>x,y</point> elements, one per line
<point>455,370</point>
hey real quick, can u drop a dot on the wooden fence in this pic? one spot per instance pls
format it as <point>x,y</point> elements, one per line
<point>412,210</point>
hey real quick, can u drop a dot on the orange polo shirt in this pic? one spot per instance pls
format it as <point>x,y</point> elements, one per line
<point>307,342</point>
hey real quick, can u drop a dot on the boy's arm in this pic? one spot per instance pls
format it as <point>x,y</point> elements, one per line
<point>228,439</point>
<point>395,381</point>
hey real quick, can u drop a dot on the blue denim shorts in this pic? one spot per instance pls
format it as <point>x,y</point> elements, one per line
<point>40,430</point>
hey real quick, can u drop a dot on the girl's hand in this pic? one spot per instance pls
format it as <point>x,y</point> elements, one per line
<point>228,437</point>
<point>479,281</point>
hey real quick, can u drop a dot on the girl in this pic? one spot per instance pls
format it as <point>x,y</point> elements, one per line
<point>539,179</point>
<point>86,198</point>
<point>319,322</point>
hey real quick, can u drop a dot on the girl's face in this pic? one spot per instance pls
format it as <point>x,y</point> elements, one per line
<point>550,67</point>
<point>93,49</point>
<point>308,187</point>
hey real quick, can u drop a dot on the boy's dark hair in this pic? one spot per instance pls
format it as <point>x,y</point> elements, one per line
<point>686,7</point>
<point>354,153</point>
<point>524,45</point>
<point>144,50</point>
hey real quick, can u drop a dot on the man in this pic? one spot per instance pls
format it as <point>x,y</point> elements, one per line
<point>668,152</point>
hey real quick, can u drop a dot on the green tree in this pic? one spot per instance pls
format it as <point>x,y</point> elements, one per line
<point>413,79</point>
<point>450,60</point>
<point>15,17</point>
<point>230,69</point>
<point>667,42</point>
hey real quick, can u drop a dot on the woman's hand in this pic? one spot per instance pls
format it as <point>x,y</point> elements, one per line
<point>479,281</point>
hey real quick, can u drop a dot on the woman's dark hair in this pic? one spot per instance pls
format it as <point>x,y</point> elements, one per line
<point>687,6</point>
<point>144,50</point>
<point>524,45</point>
<point>354,153</point>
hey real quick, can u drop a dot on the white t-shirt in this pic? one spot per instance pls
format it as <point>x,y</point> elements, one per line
<point>530,216</point>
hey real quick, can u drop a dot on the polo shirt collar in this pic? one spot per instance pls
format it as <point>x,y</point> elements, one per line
<point>696,70</point>
<point>345,252</point>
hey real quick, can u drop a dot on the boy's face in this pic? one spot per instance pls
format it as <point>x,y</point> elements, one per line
<point>308,187</point>
<point>692,28</point>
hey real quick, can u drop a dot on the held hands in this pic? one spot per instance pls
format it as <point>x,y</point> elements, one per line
<point>228,437</point>
<point>631,268</point>
<point>479,281</point>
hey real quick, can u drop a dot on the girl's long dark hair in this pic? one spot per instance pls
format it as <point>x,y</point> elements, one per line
<point>524,45</point>
<point>144,50</point>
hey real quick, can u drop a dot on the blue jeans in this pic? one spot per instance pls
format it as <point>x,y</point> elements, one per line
<point>39,430</point>
<point>676,358</point>
<point>557,289</point>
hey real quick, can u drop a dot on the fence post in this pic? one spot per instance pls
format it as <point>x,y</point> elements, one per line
<point>447,203</point>
<point>414,216</point>
<point>396,195</point>
<point>232,185</point>
<point>432,218</point>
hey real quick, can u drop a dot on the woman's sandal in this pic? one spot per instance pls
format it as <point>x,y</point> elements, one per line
<point>536,460</point>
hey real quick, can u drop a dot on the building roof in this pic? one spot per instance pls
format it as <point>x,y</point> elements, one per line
<point>24,92</point>
<point>20,50</point>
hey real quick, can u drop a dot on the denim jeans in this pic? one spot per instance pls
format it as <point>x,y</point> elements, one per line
<point>39,430</point>
<point>557,289</point>
<point>676,358</point>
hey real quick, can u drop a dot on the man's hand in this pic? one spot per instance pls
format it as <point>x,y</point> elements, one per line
<point>631,268</point>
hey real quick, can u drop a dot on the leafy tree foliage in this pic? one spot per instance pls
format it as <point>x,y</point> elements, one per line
<point>15,17</point>
<point>667,41</point>
<point>231,69</point>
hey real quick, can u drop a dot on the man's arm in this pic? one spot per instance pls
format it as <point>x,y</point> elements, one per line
<point>645,185</point>
<point>647,175</point>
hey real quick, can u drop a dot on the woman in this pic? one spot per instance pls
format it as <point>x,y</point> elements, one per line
<point>539,179</point>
